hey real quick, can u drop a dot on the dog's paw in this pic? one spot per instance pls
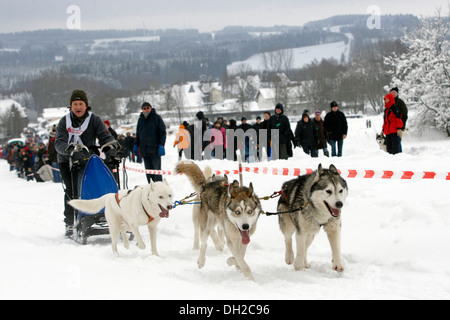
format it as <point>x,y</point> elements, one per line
<point>289,258</point>
<point>299,264</point>
<point>249,276</point>
<point>201,263</point>
<point>141,246</point>
<point>220,247</point>
<point>231,261</point>
<point>338,268</point>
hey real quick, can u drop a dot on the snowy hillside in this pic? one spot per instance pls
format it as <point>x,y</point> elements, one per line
<point>395,239</point>
<point>301,56</point>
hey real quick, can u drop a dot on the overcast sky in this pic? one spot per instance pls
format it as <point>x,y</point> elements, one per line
<point>205,15</point>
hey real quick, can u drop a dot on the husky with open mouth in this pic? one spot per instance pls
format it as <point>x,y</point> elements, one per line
<point>235,208</point>
<point>316,201</point>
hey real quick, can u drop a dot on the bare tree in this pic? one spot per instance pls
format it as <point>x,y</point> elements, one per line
<point>278,61</point>
<point>177,96</point>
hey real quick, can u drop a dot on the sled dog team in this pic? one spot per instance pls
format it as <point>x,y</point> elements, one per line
<point>231,211</point>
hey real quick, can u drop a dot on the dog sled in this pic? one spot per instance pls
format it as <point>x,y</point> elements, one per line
<point>93,178</point>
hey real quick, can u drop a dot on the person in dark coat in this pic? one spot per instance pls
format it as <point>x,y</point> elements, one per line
<point>245,127</point>
<point>52,156</point>
<point>265,125</point>
<point>197,144</point>
<point>26,158</point>
<point>150,140</point>
<point>336,126</point>
<point>233,126</point>
<point>79,126</point>
<point>128,146</point>
<point>110,129</point>
<point>306,136</point>
<point>322,134</point>
<point>281,123</point>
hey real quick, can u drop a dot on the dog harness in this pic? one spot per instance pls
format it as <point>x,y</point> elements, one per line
<point>75,133</point>
<point>150,218</point>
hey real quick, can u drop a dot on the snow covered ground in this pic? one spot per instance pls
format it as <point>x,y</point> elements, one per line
<point>300,56</point>
<point>395,239</point>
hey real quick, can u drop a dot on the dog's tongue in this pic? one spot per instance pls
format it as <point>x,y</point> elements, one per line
<point>336,212</point>
<point>245,237</point>
<point>164,212</point>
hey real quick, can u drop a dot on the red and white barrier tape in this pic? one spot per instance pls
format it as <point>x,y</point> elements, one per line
<point>347,173</point>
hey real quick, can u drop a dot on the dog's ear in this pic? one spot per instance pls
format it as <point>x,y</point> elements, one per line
<point>232,189</point>
<point>250,190</point>
<point>226,178</point>
<point>152,185</point>
<point>319,172</point>
<point>334,170</point>
<point>320,169</point>
<point>165,182</point>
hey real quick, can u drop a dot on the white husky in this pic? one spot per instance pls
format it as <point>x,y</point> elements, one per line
<point>129,209</point>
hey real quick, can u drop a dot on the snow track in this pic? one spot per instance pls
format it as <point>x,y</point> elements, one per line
<point>395,239</point>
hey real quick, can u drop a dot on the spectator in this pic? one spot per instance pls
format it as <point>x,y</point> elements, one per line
<point>322,134</point>
<point>218,141</point>
<point>150,140</point>
<point>52,157</point>
<point>336,126</point>
<point>392,124</point>
<point>404,110</point>
<point>182,140</point>
<point>245,127</point>
<point>41,155</point>
<point>128,147</point>
<point>110,130</point>
<point>265,125</point>
<point>26,161</point>
<point>281,123</point>
<point>306,135</point>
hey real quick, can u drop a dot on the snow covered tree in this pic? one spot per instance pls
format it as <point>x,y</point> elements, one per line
<point>423,73</point>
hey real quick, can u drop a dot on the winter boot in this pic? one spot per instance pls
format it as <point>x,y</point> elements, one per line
<point>69,231</point>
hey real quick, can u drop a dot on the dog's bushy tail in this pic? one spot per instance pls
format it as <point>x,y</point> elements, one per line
<point>89,206</point>
<point>193,172</point>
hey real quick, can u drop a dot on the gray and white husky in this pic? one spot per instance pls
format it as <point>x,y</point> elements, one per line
<point>318,198</point>
<point>233,207</point>
<point>381,140</point>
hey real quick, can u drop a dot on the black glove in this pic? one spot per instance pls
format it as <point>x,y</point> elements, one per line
<point>69,149</point>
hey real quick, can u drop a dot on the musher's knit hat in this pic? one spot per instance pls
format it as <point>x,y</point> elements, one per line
<point>79,95</point>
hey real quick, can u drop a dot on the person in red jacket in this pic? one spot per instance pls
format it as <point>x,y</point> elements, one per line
<point>392,125</point>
